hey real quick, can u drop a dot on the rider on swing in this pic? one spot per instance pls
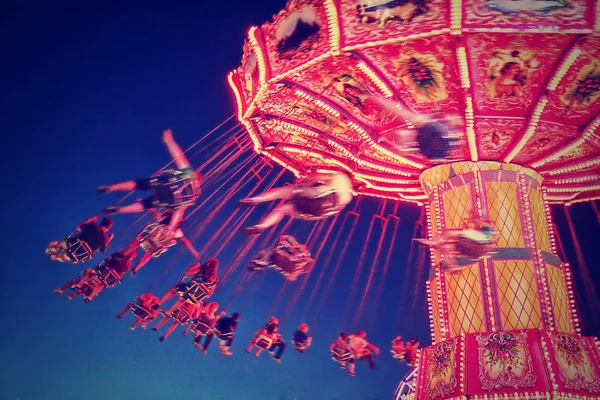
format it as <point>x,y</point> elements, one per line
<point>157,237</point>
<point>289,257</point>
<point>175,189</point>
<point>146,309</point>
<point>108,272</point>
<point>200,286</point>
<point>317,197</point>
<point>89,238</point>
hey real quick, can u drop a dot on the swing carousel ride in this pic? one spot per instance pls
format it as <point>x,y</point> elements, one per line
<point>522,80</point>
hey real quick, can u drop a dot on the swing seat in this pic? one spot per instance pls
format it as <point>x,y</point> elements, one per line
<point>77,250</point>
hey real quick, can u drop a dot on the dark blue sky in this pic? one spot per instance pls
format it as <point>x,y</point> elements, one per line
<point>86,92</point>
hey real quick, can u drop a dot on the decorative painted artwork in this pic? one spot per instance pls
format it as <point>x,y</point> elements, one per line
<point>548,136</point>
<point>509,71</point>
<point>529,14</point>
<point>576,370</point>
<point>504,361</point>
<point>495,135</point>
<point>422,72</point>
<point>363,21</point>
<point>441,367</point>
<point>381,12</point>
<point>586,88</point>
<point>342,80</point>
<point>297,35</point>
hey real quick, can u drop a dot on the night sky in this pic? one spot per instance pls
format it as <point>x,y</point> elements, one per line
<point>86,93</point>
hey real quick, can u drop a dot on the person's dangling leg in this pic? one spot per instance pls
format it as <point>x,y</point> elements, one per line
<point>126,186</point>
<point>164,320</point>
<point>167,296</point>
<point>371,360</point>
<point>138,320</point>
<point>279,351</point>
<point>180,302</point>
<point>143,260</point>
<point>285,192</point>
<point>170,330</point>
<point>176,218</point>
<point>351,367</point>
<point>178,155</point>
<point>272,218</point>
<point>132,208</point>
<point>188,329</point>
<point>67,285</point>
<point>125,310</point>
<point>74,294</point>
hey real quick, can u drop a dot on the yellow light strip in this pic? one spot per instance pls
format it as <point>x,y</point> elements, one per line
<point>549,220</point>
<point>594,162</point>
<point>581,200</point>
<point>375,79</point>
<point>463,66</point>
<point>565,65</point>
<point>260,57</point>
<point>573,189</point>
<point>305,153</point>
<point>238,98</point>
<point>456,17</point>
<point>533,122</point>
<point>471,130</point>
<point>577,179</point>
<point>430,309</point>
<point>334,26</point>
<point>397,39</point>
<point>300,67</point>
<point>317,102</point>
<point>308,132</point>
<point>587,134</point>
<point>533,30</point>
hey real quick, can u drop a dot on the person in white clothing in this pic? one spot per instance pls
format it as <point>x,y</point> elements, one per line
<point>317,197</point>
<point>361,349</point>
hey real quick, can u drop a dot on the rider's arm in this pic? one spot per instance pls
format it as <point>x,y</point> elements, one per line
<point>110,238</point>
<point>193,270</point>
<point>154,213</point>
<point>374,348</point>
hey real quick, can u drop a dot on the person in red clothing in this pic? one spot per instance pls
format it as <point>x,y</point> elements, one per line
<point>197,285</point>
<point>90,238</point>
<point>145,307</point>
<point>182,315</point>
<point>106,274</point>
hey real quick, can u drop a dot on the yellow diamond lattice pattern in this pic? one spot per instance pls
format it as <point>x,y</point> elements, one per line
<point>503,207</point>
<point>560,300</point>
<point>540,223</point>
<point>464,301</point>
<point>517,294</point>
<point>457,206</point>
<point>435,307</point>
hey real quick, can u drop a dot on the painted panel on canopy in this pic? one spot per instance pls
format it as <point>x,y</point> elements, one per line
<point>297,35</point>
<point>547,137</point>
<point>249,73</point>
<point>577,98</point>
<point>525,14</point>
<point>342,81</point>
<point>495,134</point>
<point>274,133</point>
<point>423,71</point>
<point>509,71</point>
<point>364,21</point>
<point>285,103</point>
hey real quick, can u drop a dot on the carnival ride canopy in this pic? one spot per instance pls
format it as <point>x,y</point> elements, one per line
<point>523,79</point>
